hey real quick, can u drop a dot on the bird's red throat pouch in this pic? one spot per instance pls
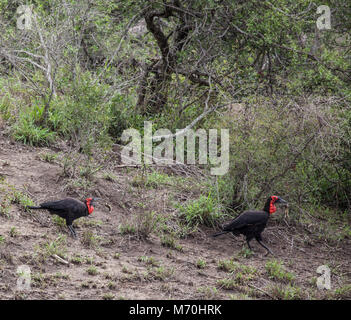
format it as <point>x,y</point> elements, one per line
<point>272,207</point>
<point>90,207</point>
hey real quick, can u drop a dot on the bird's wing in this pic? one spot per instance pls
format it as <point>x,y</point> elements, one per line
<point>247,218</point>
<point>62,205</point>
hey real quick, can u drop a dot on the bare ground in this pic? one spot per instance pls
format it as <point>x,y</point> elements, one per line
<point>107,263</point>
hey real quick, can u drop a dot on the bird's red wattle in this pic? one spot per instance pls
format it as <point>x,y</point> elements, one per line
<point>90,209</point>
<point>272,207</point>
<point>89,206</point>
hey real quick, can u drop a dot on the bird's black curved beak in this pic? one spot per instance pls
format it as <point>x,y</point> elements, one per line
<point>95,199</point>
<point>282,201</point>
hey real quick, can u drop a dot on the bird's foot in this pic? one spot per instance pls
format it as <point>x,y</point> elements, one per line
<point>269,252</point>
<point>73,235</point>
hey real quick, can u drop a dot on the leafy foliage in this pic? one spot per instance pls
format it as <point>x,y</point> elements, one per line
<point>166,62</point>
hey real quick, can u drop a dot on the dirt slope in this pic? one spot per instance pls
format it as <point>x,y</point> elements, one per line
<point>107,263</point>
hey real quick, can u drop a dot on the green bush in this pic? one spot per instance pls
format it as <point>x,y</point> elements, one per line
<point>27,132</point>
<point>276,271</point>
<point>204,210</point>
<point>301,153</point>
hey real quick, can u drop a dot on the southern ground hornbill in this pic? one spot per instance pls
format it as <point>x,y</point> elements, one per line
<point>252,223</point>
<point>68,209</point>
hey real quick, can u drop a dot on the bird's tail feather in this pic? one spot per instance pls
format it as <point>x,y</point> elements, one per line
<point>219,233</point>
<point>33,207</point>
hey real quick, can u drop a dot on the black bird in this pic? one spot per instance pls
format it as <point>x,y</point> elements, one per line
<point>252,223</point>
<point>68,209</point>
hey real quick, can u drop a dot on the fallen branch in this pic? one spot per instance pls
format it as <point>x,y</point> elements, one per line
<point>59,259</point>
<point>259,289</point>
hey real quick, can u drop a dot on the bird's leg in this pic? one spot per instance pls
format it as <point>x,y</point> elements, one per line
<point>72,231</point>
<point>248,244</point>
<point>264,246</point>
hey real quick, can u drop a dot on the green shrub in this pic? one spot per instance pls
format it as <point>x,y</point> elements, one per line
<point>168,241</point>
<point>288,292</point>
<point>92,271</point>
<point>27,132</point>
<point>276,271</point>
<point>343,292</point>
<point>204,210</point>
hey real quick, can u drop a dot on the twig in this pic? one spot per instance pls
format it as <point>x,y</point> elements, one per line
<point>128,165</point>
<point>59,259</point>
<point>259,289</point>
<point>192,124</point>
